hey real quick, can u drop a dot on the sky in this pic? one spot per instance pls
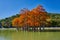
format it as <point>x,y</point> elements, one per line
<point>12,7</point>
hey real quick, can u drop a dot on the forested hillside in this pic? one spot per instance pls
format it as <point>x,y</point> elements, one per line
<point>54,16</point>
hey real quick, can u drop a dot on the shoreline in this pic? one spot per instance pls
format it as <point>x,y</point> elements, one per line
<point>38,29</point>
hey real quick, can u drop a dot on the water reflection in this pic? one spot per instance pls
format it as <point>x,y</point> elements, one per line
<point>23,35</point>
<point>35,36</point>
<point>2,38</point>
<point>5,35</point>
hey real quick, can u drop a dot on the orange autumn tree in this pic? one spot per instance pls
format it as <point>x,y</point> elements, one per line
<point>34,18</point>
<point>16,22</point>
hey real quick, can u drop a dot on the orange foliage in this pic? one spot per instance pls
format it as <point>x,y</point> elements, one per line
<point>35,17</point>
<point>16,22</point>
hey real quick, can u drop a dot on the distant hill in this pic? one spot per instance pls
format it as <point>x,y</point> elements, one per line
<point>54,17</point>
<point>9,18</point>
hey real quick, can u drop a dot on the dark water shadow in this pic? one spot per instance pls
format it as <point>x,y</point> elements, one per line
<point>50,31</point>
<point>46,31</point>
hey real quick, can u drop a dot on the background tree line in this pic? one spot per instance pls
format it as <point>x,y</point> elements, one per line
<point>36,17</point>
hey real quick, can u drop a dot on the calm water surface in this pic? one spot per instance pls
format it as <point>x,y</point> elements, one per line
<point>21,35</point>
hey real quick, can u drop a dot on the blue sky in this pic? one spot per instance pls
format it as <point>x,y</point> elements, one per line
<point>12,7</point>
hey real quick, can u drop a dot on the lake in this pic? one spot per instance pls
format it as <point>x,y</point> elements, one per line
<point>25,35</point>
